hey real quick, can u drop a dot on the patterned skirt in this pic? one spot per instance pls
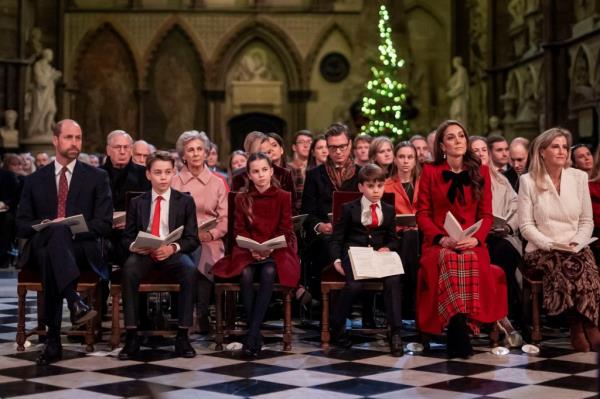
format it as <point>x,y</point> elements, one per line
<point>570,281</point>
<point>458,284</point>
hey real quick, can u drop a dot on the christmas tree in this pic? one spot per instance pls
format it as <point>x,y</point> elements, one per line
<point>384,100</point>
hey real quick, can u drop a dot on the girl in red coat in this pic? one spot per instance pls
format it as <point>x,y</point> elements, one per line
<point>261,213</point>
<point>456,284</point>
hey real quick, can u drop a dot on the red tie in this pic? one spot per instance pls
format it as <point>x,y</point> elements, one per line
<point>156,218</point>
<point>374,218</point>
<point>63,190</point>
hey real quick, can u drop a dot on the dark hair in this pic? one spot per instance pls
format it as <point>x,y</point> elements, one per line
<point>371,173</point>
<point>247,194</point>
<point>303,132</point>
<point>493,139</point>
<point>362,137</point>
<point>416,170</point>
<point>470,160</point>
<point>336,129</point>
<point>279,141</point>
<point>159,156</point>
<point>312,162</point>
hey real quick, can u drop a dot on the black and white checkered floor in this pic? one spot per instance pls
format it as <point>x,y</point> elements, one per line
<point>366,370</point>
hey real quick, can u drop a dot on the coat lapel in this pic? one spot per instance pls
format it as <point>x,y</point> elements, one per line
<point>172,209</point>
<point>75,187</point>
<point>51,188</point>
<point>145,209</point>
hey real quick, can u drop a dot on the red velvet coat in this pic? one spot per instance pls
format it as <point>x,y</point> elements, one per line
<point>272,216</point>
<point>432,205</point>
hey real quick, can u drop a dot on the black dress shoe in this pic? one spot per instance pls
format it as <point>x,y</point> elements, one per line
<point>183,348</point>
<point>341,339</point>
<point>52,353</point>
<point>396,347</point>
<point>253,346</point>
<point>131,348</point>
<point>81,313</point>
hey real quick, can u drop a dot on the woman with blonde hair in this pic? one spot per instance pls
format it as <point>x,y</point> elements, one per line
<point>381,153</point>
<point>555,212</point>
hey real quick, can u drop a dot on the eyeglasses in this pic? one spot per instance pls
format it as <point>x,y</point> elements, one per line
<point>120,147</point>
<point>341,147</point>
<point>304,142</point>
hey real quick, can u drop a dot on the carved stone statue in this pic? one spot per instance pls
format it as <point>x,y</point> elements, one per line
<point>254,66</point>
<point>458,91</point>
<point>516,9</point>
<point>494,126</point>
<point>43,107</point>
<point>9,136</point>
<point>34,43</point>
<point>528,106</point>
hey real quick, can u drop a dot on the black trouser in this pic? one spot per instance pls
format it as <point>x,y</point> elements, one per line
<point>392,298</point>
<point>409,253</point>
<point>256,310</point>
<point>7,235</point>
<point>318,259</point>
<point>57,255</point>
<point>137,267</point>
<point>503,254</point>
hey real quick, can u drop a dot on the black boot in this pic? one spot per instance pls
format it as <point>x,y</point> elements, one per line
<point>459,342</point>
<point>52,352</point>
<point>183,348</point>
<point>132,345</point>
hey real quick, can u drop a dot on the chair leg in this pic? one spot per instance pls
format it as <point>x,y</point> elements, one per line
<point>115,337</point>
<point>21,336</point>
<point>287,322</point>
<point>41,326</point>
<point>536,335</point>
<point>325,318</point>
<point>494,336</point>
<point>219,317</point>
<point>89,330</point>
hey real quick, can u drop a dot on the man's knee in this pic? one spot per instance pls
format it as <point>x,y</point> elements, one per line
<point>393,282</point>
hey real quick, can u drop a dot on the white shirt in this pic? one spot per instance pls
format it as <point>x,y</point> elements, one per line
<point>164,212</point>
<point>58,168</point>
<point>365,214</point>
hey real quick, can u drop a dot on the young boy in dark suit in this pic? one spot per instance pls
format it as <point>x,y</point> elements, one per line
<point>159,212</point>
<point>366,222</point>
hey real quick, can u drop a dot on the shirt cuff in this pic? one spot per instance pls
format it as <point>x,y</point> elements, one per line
<point>177,247</point>
<point>337,260</point>
<point>316,228</point>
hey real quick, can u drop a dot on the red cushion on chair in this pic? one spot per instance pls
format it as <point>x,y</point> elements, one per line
<point>329,274</point>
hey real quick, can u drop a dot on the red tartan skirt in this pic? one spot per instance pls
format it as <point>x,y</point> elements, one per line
<point>449,283</point>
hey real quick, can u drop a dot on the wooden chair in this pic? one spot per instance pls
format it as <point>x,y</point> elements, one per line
<point>156,281</point>
<point>532,291</point>
<point>226,291</point>
<point>30,280</point>
<point>332,281</point>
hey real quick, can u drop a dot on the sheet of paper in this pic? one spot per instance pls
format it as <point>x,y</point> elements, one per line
<point>273,243</point>
<point>76,223</point>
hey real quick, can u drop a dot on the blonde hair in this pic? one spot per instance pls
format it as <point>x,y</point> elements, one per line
<point>537,168</point>
<point>376,144</point>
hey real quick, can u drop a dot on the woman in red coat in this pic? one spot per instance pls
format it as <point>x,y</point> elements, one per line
<point>457,285</point>
<point>261,213</point>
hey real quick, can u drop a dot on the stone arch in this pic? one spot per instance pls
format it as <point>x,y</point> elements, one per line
<point>581,65</point>
<point>173,23</point>
<point>269,34</point>
<point>89,39</point>
<point>320,40</point>
<point>106,82</point>
<point>174,82</point>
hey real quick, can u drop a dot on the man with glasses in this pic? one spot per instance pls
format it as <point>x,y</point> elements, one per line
<point>338,173</point>
<point>301,149</point>
<point>124,176</point>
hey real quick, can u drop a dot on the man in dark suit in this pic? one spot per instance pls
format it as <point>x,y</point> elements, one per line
<point>160,211</point>
<point>124,176</point>
<point>366,222</point>
<point>339,173</point>
<point>500,156</point>
<point>9,198</point>
<point>63,188</point>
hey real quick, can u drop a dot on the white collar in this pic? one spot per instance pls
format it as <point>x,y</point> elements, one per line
<point>58,167</point>
<point>365,203</point>
<point>166,195</point>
